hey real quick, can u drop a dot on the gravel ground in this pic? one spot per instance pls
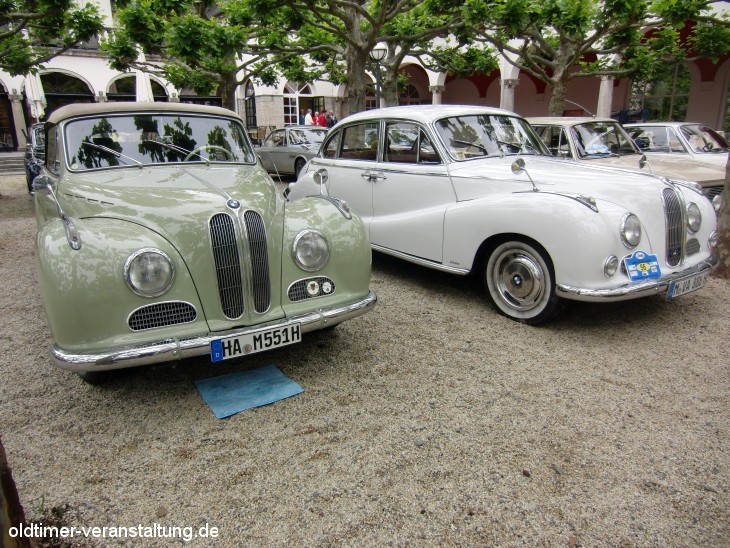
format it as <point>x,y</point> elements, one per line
<point>430,421</point>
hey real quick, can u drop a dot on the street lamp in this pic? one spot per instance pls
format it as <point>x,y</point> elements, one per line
<point>377,54</point>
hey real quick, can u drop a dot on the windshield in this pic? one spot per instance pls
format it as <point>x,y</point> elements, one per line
<point>301,136</point>
<point>143,139</point>
<point>704,139</point>
<point>599,139</point>
<point>479,136</point>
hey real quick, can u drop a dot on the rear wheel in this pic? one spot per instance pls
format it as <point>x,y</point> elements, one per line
<point>519,279</point>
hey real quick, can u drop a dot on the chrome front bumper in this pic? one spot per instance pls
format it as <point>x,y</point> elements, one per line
<point>632,291</point>
<point>174,349</point>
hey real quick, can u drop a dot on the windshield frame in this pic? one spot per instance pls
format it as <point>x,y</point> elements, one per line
<point>495,147</point>
<point>128,160</point>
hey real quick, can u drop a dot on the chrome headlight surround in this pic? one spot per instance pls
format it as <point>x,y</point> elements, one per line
<point>717,203</point>
<point>630,230</point>
<point>610,266</point>
<point>149,272</point>
<point>310,250</point>
<point>694,218</point>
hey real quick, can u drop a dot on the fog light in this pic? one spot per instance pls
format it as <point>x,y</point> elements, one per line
<point>610,266</point>
<point>717,204</point>
<point>712,241</point>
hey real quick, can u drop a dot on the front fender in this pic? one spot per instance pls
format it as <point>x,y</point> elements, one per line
<point>350,260</point>
<point>577,239</point>
<point>86,298</point>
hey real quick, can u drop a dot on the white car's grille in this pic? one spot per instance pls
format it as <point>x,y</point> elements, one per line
<point>674,226</point>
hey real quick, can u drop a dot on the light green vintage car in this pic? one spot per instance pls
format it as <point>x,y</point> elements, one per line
<point>161,237</point>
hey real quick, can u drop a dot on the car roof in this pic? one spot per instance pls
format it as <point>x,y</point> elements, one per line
<point>90,109</point>
<point>565,120</point>
<point>425,113</point>
<point>663,124</point>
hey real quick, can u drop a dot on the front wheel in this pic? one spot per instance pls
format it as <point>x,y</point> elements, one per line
<point>520,282</point>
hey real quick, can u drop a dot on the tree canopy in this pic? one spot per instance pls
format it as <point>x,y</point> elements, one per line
<point>33,32</point>
<point>557,40</point>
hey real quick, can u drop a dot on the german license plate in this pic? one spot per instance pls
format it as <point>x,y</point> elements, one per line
<point>233,347</point>
<point>687,285</point>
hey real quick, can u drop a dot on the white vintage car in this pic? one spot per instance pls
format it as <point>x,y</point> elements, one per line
<point>473,189</point>
<point>686,141</point>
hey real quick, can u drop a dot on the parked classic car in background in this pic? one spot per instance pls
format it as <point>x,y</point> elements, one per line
<point>285,151</point>
<point>35,150</point>
<point>694,141</point>
<point>160,237</point>
<point>471,189</point>
<point>604,141</point>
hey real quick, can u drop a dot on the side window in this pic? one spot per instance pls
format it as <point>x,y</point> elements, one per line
<point>401,143</point>
<point>426,153</point>
<point>563,149</point>
<point>53,156</point>
<point>360,142</point>
<point>332,147</point>
<point>276,139</point>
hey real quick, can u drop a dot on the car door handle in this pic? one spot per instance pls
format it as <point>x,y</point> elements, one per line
<point>372,176</point>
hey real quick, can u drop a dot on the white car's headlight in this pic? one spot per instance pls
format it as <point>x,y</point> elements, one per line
<point>149,272</point>
<point>717,204</point>
<point>630,230</point>
<point>694,217</point>
<point>310,250</point>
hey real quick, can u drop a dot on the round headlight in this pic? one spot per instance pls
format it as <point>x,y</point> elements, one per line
<point>630,230</point>
<point>148,272</point>
<point>310,250</point>
<point>694,217</point>
<point>610,266</point>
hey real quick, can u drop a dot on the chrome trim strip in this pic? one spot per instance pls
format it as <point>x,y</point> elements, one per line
<point>177,349</point>
<point>631,291</point>
<point>421,261</point>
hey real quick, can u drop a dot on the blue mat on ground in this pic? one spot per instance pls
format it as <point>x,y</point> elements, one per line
<point>230,394</point>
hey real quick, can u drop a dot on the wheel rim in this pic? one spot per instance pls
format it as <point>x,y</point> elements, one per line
<point>519,279</point>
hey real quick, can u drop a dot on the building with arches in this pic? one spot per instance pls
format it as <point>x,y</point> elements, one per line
<point>698,92</point>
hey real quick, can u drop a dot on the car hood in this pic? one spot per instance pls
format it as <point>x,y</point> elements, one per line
<point>473,180</point>
<point>673,166</point>
<point>166,199</point>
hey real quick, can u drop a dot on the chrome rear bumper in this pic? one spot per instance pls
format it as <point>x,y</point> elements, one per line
<point>178,349</point>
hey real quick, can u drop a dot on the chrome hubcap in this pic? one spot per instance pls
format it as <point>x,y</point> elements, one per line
<point>519,279</point>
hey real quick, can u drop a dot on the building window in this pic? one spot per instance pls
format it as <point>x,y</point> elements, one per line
<point>665,97</point>
<point>370,100</point>
<point>410,96</point>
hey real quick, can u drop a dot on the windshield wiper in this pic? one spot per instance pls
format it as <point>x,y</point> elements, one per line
<point>111,151</point>
<point>475,145</point>
<point>176,148</point>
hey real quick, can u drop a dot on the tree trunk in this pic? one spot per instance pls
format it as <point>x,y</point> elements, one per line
<point>390,86</point>
<point>723,229</point>
<point>356,59</point>
<point>227,90</point>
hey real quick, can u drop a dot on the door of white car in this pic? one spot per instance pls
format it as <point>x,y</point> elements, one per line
<point>411,191</point>
<point>348,159</point>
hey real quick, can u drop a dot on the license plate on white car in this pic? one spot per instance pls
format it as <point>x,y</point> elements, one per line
<point>242,345</point>
<point>687,285</point>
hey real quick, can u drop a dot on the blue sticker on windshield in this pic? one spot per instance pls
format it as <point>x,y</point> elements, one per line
<point>642,266</point>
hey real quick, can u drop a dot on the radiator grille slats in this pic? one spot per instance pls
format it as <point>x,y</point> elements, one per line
<point>674,226</point>
<point>227,264</point>
<point>260,283</point>
<point>162,315</point>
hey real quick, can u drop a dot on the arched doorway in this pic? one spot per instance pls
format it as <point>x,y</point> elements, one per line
<point>63,89</point>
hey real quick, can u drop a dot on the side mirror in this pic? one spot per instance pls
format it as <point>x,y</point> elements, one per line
<point>321,176</point>
<point>42,182</point>
<point>518,166</point>
<point>642,161</point>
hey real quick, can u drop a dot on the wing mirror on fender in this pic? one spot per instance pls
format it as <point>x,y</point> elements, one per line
<point>518,167</point>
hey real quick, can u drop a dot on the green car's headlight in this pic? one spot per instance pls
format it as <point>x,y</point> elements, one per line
<point>694,217</point>
<point>630,230</point>
<point>310,250</point>
<point>149,272</point>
